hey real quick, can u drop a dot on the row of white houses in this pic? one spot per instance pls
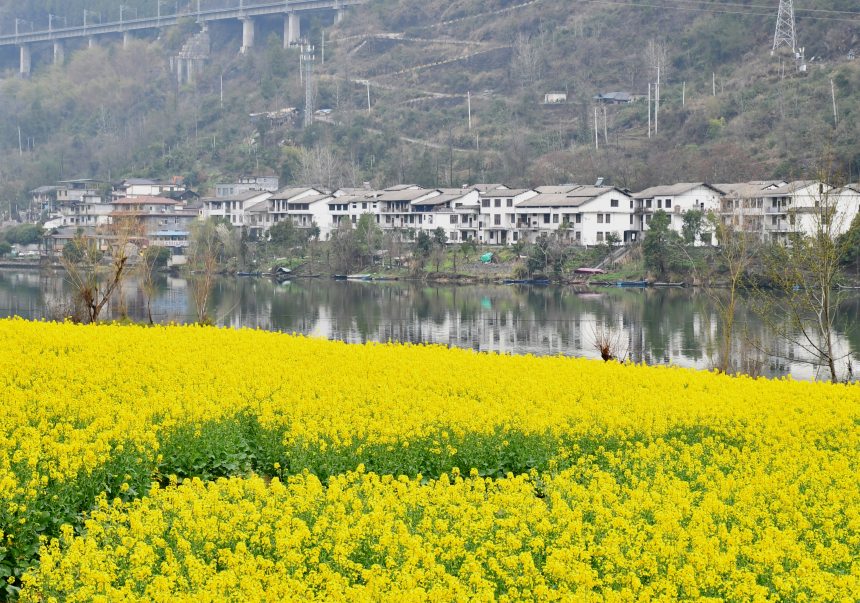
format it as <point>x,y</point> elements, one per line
<point>582,214</point>
<point>491,214</point>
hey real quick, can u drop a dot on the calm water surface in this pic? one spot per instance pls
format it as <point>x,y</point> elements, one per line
<point>657,326</point>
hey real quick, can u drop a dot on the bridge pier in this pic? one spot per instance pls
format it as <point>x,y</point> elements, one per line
<point>26,61</point>
<point>247,34</point>
<point>59,52</point>
<point>292,29</point>
<point>126,38</point>
<point>339,16</point>
<point>92,42</point>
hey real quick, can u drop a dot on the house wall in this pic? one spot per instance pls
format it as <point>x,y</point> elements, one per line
<point>594,225</point>
<point>497,221</point>
<point>701,198</point>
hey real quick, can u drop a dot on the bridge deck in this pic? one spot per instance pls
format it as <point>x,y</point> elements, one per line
<point>218,14</point>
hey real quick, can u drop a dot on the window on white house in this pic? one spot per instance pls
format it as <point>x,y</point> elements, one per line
<point>510,202</point>
<point>578,218</point>
<point>599,235</point>
<point>600,218</point>
<point>498,202</point>
<point>454,218</point>
<point>497,220</point>
<point>555,218</point>
<point>608,218</point>
<point>613,203</point>
<point>485,203</point>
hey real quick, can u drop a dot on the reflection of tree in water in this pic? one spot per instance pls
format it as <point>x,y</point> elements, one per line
<point>848,322</point>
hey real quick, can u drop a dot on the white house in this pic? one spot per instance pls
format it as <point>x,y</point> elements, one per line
<point>583,214</point>
<point>847,204</point>
<point>497,224</point>
<point>143,187</point>
<point>455,210</point>
<point>676,200</point>
<point>247,183</point>
<point>775,210</point>
<point>233,208</point>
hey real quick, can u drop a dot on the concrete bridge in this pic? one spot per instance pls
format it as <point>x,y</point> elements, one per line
<point>242,10</point>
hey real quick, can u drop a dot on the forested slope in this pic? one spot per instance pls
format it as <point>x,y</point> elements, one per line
<point>729,110</point>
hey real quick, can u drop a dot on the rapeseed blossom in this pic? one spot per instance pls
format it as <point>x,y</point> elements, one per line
<point>668,482</point>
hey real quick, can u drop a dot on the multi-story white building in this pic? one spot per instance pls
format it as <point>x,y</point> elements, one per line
<point>497,223</point>
<point>455,210</point>
<point>247,183</point>
<point>585,215</point>
<point>777,210</point>
<point>233,208</point>
<point>676,200</point>
<point>144,187</point>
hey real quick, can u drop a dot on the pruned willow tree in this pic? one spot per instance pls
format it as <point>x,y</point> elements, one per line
<point>802,301</point>
<point>96,265</point>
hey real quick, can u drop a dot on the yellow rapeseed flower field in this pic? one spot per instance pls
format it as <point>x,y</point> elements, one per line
<point>582,480</point>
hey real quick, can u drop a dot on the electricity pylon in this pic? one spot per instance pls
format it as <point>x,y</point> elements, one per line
<point>785,33</point>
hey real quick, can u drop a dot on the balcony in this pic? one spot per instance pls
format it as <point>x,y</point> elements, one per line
<point>780,226</point>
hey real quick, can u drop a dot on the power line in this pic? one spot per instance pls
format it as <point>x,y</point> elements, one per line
<point>751,13</point>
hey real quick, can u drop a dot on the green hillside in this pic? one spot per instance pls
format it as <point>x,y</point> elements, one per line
<point>728,110</point>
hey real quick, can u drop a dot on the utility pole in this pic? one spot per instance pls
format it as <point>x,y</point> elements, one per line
<point>785,33</point>
<point>605,130</point>
<point>368,94</point>
<point>657,100</point>
<point>833,96</point>
<point>596,137</point>
<point>713,83</point>
<point>469,105</point>
<point>322,53</point>
<point>649,109</point>
<point>684,94</point>
<point>309,87</point>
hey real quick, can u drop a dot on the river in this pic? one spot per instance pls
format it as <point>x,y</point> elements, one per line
<point>655,326</point>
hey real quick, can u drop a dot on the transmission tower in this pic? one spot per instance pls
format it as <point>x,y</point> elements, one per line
<point>785,34</point>
<point>308,64</point>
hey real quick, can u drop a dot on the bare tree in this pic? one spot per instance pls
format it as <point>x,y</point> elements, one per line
<point>204,249</point>
<point>736,252</point>
<point>93,281</point>
<point>527,60</point>
<point>803,274</point>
